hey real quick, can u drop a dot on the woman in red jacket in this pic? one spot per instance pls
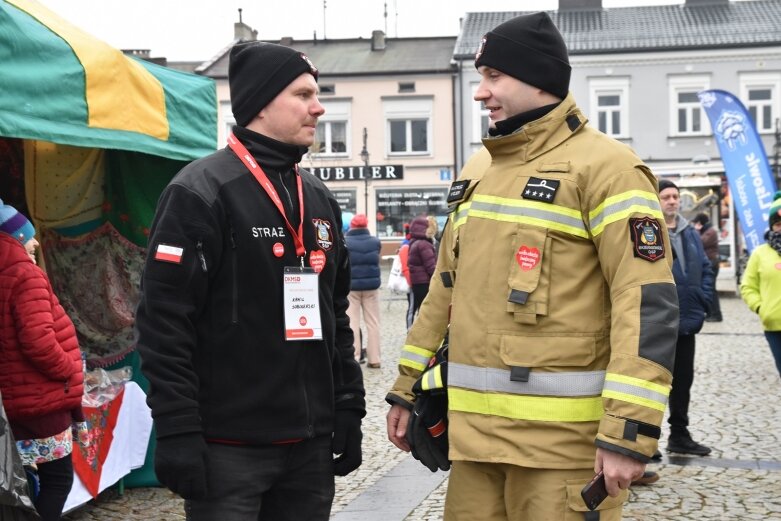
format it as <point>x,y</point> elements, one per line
<point>41,378</point>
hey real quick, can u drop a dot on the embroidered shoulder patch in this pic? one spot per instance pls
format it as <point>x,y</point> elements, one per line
<point>457,191</point>
<point>540,189</point>
<point>325,238</point>
<point>169,253</point>
<point>646,236</point>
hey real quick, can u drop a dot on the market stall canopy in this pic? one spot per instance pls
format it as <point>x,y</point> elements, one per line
<point>62,85</point>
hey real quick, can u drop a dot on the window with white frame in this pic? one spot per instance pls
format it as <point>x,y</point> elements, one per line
<point>408,125</point>
<point>610,105</point>
<point>687,118</point>
<point>480,121</point>
<point>226,117</point>
<point>760,94</point>
<point>332,130</point>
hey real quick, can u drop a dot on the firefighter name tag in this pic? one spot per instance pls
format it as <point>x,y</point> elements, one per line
<point>302,304</point>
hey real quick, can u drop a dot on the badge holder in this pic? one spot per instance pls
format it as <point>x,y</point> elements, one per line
<point>302,304</point>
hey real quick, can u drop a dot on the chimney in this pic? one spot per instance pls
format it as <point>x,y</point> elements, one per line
<point>579,5</point>
<point>244,32</point>
<point>378,41</point>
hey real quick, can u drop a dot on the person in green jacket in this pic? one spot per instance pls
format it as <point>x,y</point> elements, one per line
<point>761,284</point>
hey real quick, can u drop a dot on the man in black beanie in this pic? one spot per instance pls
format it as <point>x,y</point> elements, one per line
<point>242,325</point>
<point>555,290</point>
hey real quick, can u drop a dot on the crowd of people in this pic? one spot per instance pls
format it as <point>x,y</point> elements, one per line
<point>582,337</point>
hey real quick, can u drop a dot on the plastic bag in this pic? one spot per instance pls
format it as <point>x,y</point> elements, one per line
<point>101,386</point>
<point>15,502</point>
<point>396,280</point>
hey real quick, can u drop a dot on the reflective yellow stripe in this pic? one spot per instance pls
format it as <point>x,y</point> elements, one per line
<point>140,108</point>
<point>619,207</point>
<point>432,379</point>
<point>634,390</point>
<point>519,407</point>
<point>535,213</point>
<point>637,382</point>
<point>415,357</point>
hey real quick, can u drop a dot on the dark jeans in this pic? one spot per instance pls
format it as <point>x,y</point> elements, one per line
<point>285,482</point>
<point>56,479</point>
<point>715,305</point>
<point>774,339</point>
<point>417,293</point>
<point>683,377</point>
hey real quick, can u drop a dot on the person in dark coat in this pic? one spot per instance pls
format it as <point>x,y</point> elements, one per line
<point>694,283</point>
<point>364,297</point>
<point>710,242</point>
<point>422,259</point>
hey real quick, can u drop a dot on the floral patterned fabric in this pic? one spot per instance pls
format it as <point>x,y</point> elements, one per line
<point>96,277</point>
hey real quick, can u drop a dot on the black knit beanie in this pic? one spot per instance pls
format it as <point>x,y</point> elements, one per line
<point>258,71</point>
<point>531,49</point>
<point>666,183</point>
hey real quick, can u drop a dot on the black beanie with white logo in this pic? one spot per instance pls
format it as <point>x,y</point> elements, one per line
<point>531,49</point>
<point>258,71</point>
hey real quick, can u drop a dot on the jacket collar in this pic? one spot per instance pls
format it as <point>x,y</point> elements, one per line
<point>541,135</point>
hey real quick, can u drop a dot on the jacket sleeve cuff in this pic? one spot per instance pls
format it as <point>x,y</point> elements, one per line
<point>635,439</point>
<point>351,401</point>
<point>394,399</point>
<point>623,450</point>
<point>181,422</point>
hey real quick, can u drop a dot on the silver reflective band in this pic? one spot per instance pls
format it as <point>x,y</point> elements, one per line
<point>486,379</point>
<point>634,390</point>
<point>621,206</point>
<point>527,211</point>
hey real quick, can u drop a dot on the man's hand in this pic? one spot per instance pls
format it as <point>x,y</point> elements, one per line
<point>397,420</point>
<point>347,441</point>
<point>180,464</point>
<point>620,471</point>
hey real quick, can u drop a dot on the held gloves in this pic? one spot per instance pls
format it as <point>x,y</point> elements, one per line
<point>427,428</point>
<point>347,441</point>
<point>180,464</point>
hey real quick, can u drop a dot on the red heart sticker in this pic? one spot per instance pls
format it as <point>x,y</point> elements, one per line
<point>317,260</point>
<point>527,257</point>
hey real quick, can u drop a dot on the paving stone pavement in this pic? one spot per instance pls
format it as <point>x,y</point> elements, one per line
<point>735,409</point>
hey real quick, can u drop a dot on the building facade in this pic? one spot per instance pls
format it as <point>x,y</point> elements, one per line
<point>636,72</point>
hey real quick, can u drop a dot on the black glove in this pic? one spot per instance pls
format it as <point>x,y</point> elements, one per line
<point>347,441</point>
<point>180,464</point>
<point>427,431</point>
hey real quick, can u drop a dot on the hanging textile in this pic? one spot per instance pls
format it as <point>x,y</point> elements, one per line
<point>96,276</point>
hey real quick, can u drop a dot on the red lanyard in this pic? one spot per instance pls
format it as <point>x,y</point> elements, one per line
<point>240,150</point>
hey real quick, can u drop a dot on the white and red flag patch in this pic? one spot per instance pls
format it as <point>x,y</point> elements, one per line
<point>168,253</point>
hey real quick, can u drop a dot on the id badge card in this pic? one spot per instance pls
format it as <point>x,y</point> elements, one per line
<point>302,304</point>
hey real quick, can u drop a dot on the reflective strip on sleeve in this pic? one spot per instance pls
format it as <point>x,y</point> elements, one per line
<point>636,391</point>
<point>621,206</point>
<point>487,379</point>
<point>461,215</point>
<point>518,407</point>
<point>432,379</point>
<point>415,357</point>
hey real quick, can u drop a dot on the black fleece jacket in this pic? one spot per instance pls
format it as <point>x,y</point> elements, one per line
<point>211,327</point>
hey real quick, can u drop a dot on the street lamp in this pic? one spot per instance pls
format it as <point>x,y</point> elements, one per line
<point>365,159</point>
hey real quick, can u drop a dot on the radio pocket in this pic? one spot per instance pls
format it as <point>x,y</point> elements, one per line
<point>528,275</point>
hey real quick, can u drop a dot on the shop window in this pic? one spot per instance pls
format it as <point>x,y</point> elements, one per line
<point>398,206</point>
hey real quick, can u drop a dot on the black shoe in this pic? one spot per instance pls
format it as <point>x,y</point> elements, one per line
<point>687,446</point>
<point>363,356</point>
<point>648,477</point>
<point>657,456</point>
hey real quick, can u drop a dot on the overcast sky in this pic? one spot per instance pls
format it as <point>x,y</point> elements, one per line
<point>198,29</point>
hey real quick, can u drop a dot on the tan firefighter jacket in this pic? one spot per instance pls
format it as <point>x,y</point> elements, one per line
<point>556,265</point>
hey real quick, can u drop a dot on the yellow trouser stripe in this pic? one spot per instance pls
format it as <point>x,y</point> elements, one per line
<point>533,408</point>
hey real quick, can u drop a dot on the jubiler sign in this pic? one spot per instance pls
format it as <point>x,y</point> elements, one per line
<point>358,173</point>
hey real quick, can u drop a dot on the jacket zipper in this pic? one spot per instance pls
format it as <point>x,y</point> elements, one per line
<point>201,256</point>
<point>234,281</point>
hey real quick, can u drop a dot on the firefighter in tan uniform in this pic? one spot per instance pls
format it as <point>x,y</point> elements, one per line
<point>554,286</point>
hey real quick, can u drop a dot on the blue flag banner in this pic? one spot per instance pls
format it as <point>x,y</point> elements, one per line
<point>745,162</point>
